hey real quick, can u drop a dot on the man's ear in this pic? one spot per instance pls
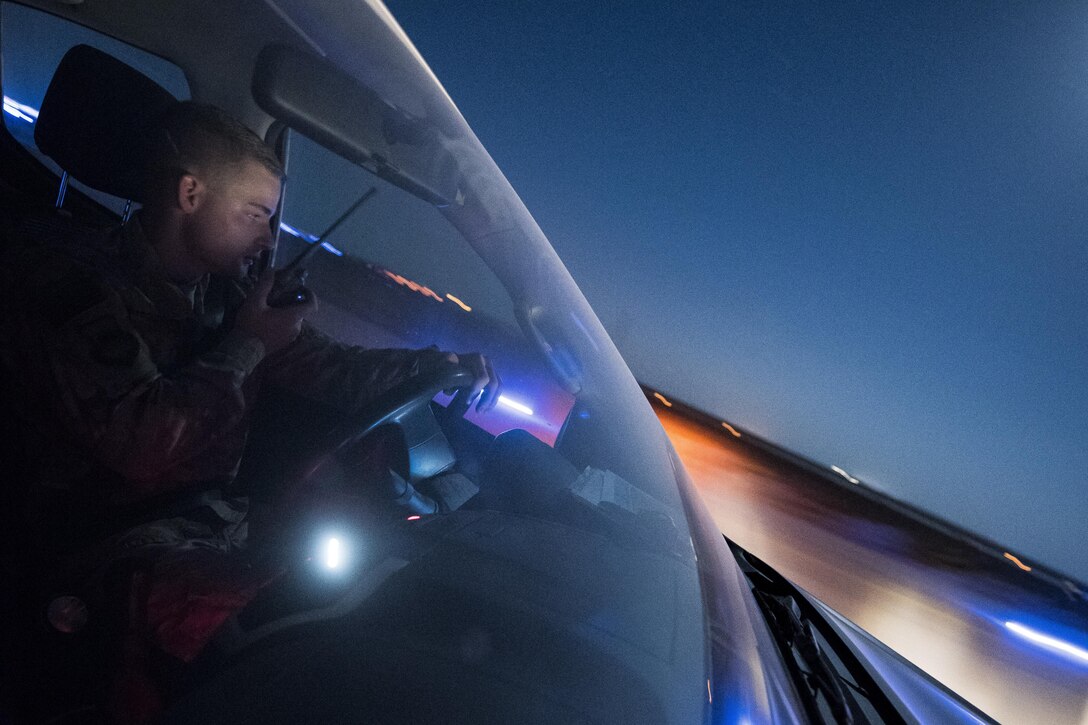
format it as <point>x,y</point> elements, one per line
<point>189,193</point>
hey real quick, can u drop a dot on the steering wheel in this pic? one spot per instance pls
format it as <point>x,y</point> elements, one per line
<point>406,406</point>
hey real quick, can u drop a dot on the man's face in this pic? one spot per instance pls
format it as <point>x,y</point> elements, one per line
<point>230,227</point>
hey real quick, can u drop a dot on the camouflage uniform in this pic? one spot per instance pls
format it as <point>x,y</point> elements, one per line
<point>136,386</point>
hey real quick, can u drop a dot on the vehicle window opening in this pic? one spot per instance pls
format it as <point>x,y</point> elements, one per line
<point>33,44</point>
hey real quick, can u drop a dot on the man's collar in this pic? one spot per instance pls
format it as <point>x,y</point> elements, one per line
<point>171,299</point>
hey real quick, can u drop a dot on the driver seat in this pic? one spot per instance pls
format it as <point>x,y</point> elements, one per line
<point>91,123</point>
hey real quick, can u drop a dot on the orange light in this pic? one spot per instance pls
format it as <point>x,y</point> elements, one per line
<point>663,399</point>
<point>405,282</point>
<point>731,429</point>
<point>458,302</point>
<point>1016,561</point>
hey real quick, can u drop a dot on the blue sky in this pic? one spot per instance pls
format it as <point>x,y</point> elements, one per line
<point>856,229</point>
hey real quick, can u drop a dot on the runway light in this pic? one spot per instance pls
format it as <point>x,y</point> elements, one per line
<point>1017,561</point>
<point>333,553</point>
<point>309,238</point>
<point>20,110</point>
<point>414,286</point>
<point>663,399</point>
<point>1045,640</point>
<point>731,429</point>
<point>296,233</point>
<point>515,405</point>
<point>458,302</point>
<point>844,474</point>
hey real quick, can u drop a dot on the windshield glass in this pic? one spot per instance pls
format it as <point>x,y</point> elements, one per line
<point>397,273</point>
<point>533,562</point>
<point>570,485</point>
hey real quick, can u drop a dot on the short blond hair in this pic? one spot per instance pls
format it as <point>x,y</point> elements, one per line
<point>195,137</point>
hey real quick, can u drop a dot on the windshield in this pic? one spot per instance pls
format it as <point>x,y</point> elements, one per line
<point>561,527</point>
<point>570,457</point>
<point>542,557</point>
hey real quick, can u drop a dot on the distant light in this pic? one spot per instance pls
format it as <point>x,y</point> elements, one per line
<point>298,233</point>
<point>844,474</point>
<point>663,399</point>
<point>414,517</point>
<point>709,694</point>
<point>458,302</point>
<point>1047,641</point>
<point>414,286</point>
<point>1017,561</point>
<point>731,429</point>
<point>515,405</point>
<point>311,238</point>
<point>334,553</point>
<point>20,110</point>
<point>293,232</point>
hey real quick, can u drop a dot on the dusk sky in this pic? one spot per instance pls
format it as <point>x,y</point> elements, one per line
<point>856,229</point>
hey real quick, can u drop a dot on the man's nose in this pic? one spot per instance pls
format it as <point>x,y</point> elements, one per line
<point>267,239</point>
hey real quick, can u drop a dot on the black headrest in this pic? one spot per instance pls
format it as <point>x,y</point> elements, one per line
<point>94,118</point>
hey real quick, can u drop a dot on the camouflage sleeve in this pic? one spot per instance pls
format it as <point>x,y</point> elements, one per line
<point>113,399</point>
<point>345,377</point>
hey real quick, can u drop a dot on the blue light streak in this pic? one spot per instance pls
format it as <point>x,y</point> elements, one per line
<point>20,110</point>
<point>309,238</point>
<point>1047,641</point>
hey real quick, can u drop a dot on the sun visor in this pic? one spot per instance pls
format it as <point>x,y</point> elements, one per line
<point>314,97</point>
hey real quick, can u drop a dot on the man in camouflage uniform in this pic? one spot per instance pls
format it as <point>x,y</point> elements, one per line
<point>148,346</point>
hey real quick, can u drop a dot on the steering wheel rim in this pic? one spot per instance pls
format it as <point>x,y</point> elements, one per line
<point>399,403</point>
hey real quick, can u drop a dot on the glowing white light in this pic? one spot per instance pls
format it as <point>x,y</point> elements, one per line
<point>334,553</point>
<point>844,474</point>
<point>1047,641</point>
<point>15,112</point>
<point>20,110</point>
<point>515,405</point>
<point>11,110</point>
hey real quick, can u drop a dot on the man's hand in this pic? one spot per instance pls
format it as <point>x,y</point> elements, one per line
<point>485,383</point>
<point>276,327</point>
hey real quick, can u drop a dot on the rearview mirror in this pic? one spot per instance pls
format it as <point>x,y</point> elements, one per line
<point>353,121</point>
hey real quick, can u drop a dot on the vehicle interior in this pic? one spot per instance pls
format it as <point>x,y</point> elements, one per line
<point>503,488</point>
<point>418,561</point>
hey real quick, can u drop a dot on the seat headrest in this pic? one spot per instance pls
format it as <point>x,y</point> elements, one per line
<point>94,118</point>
